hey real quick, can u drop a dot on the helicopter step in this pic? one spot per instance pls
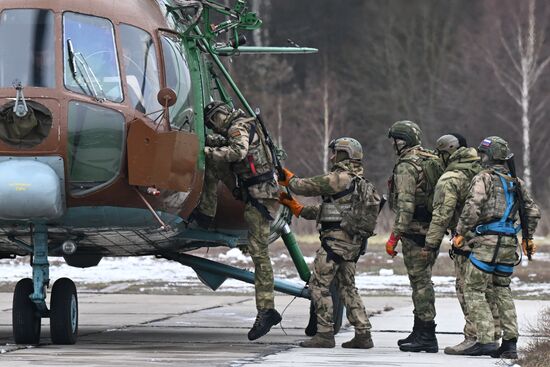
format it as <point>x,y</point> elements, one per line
<point>29,300</point>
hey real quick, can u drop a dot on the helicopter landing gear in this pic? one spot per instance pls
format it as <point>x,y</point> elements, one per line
<point>64,312</point>
<point>29,300</point>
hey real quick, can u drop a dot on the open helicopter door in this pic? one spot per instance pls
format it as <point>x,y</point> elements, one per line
<point>168,159</point>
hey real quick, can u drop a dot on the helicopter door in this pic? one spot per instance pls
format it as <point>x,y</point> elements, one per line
<point>166,160</point>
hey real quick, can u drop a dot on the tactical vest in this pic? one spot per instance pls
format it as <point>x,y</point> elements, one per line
<point>332,207</point>
<point>257,165</point>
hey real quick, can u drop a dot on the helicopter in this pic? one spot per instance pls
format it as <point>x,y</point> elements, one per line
<point>101,143</point>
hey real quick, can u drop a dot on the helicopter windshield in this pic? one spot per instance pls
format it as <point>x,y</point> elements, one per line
<point>91,62</point>
<point>27,38</point>
<point>142,74</point>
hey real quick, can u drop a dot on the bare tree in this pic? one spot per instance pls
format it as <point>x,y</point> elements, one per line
<point>519,77</point>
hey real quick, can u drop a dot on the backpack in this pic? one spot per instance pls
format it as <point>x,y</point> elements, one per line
<point>432,168</point>
<point>360,219</point>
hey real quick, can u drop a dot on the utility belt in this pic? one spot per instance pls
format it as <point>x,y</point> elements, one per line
<point>499,228</point>
<point>418,239</point>
<point>255,180</point>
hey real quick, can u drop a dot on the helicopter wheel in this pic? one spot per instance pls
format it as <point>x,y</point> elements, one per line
<point>26,320</point>
<point>64,312</point>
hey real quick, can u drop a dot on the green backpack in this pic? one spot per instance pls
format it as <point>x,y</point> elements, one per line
<point>360,219</point>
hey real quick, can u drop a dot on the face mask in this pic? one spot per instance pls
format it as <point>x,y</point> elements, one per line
<point>444,156</point>
<point>399,145</point>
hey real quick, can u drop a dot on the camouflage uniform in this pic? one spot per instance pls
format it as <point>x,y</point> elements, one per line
<point>485,204</point>
<point>407,191</point>
<point>228,158</point>
<point>449,197</point>
<point>343,250</point>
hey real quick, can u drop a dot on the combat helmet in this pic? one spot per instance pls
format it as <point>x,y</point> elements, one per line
<point>407,131</point>
<point>495,148</point>
<point>450,143</point>
<point>211,109</point>
<point>349,145</point>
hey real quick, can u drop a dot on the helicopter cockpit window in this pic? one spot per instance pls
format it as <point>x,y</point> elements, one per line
<point>142,74</point>
<point>178,78</point>
<point>91,62</point>
<point>27,41</point>
<point>95,146</point>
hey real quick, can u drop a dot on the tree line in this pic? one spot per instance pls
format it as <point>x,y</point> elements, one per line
<point>476,67</point>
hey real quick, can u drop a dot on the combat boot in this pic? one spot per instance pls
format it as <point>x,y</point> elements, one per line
<point>479,349</point>
<point>460,347</point>
<point>507,350</point>
<point>264,321</point>
<point>320,340</point>
<point>412,335</point>
<point>425,339</point>
<point>360,341</point>
<point>197,219</point>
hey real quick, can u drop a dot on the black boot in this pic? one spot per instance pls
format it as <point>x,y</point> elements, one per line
<point>199,219</point>
<point>479,349</point>
<point>412,335</point>
<point>507,350</point>
<point>264,321</point>
<point>424,341</point>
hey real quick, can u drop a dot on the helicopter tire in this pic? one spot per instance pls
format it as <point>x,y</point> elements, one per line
<point>26,320</point>
<point>64,312</point>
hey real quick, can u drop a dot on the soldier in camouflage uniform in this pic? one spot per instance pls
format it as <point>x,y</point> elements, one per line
<point>462,164</point>
<point>339,251</point>
<point>238,155</point>
<point>411,192</point>
<point>488,226</point>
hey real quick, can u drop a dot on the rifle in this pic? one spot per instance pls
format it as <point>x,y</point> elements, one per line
<point>270,145</point>
<point>521,203</point>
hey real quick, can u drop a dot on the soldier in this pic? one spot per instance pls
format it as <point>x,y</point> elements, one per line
<point>239,152</point>
<point>340,249</point>
<point>488,222</point>
<point>462,164</point>
<point>411,193</point>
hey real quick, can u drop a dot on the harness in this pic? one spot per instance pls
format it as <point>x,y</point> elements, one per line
<point>503,227</point>
<point>256,179</point>
<point>330,216</point>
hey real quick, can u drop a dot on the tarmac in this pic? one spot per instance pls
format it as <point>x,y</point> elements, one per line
<point>210,330</point>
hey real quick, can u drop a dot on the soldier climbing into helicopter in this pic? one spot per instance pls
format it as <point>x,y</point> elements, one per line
<point>238,155</point>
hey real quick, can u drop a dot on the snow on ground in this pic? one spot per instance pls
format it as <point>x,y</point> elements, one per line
<point>144,270</point>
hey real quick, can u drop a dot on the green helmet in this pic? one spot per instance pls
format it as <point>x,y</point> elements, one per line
<point>211,109</point>
<point>450,143</point>
<point>407,131</point>
<point>349,145</point>
<point>496,148</point>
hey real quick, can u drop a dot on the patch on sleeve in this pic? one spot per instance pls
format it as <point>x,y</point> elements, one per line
<point>235,134</point>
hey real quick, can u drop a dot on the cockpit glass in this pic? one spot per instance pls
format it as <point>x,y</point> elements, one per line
<point>142,73</point>
<point>91,62</point>
<point>27,50</point>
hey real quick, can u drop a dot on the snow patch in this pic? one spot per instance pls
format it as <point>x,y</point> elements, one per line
<point>385,272</point>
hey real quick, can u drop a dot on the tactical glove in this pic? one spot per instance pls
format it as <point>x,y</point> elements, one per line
<point>392,244</point>
<point>528,246</point>
<point>458,241</point>
<point>285,181</point>
<point>293,204</point>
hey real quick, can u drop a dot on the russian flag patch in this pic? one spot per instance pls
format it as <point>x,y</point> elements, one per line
<point>486,143</point>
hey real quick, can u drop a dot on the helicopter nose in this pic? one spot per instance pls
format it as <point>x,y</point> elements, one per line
<point>31,189</point>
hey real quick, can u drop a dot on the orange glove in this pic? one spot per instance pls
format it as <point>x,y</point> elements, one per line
<point>293,204</point>
<point>529,247</point>
<point>392,244</point>
<point>285,181</point>
<point>458,241</point>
